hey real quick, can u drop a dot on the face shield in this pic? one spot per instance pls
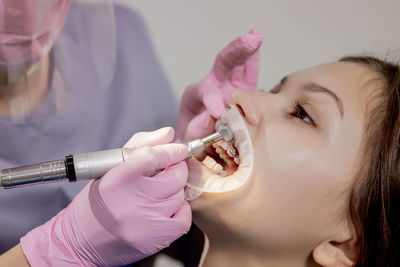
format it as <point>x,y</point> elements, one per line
<point>55,56</point>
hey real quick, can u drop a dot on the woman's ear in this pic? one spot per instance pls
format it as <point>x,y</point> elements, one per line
<point>337,252</point>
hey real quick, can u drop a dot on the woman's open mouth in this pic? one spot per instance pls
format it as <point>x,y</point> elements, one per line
<point>223,166</point>
<point>221,157</point>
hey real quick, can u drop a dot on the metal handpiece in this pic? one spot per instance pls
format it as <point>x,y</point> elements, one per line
<point>223,132</point>
<point>33,174</point>
<point>74,168</point>
<point>92,165</point>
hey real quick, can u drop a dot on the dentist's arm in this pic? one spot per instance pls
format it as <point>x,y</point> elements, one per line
<point>122,217</point>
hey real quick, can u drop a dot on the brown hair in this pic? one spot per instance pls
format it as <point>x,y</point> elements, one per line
<point>375,196</point>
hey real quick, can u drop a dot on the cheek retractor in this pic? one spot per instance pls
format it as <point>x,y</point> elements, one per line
<point>201,179</point>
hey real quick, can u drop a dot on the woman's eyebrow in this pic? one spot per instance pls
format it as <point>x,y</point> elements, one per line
<point>316,88</point>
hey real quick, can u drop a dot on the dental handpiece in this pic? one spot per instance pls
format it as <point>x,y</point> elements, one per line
<point>85,166</point>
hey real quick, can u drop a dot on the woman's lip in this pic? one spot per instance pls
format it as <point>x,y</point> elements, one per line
<point>214,183</point>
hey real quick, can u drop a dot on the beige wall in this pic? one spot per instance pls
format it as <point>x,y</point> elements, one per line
<point>188,34</point>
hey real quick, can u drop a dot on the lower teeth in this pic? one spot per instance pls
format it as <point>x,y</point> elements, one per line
<point>226,154</point>
<point>217,168</point>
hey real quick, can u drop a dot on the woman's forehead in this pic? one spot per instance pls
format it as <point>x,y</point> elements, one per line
<point>346,74</point>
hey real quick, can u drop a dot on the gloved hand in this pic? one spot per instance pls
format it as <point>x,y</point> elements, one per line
<point>122,217</point>
<point>236,66</point>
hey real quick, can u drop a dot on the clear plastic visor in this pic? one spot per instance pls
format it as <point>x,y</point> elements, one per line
<point>55,55</point>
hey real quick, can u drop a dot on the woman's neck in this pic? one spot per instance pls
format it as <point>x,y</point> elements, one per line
<point>27,91</point>
<point>227,252</point>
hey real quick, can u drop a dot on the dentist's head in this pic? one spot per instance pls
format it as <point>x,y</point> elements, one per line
<point>28,29</point>
<point>55,55</point>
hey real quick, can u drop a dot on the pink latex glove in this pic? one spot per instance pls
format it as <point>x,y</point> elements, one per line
<point>122,217</point>
<point>236,66</point>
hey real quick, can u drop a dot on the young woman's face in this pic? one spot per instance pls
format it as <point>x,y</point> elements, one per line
<point>306,134</point>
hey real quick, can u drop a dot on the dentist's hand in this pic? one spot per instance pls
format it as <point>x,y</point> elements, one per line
<point>236,66</point>
<point>122,217</point>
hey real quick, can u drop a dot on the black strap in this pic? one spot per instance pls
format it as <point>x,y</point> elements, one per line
<point>69,165</point>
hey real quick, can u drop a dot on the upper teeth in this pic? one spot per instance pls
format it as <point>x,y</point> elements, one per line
<point>232,152</point>
<point>227,152</point>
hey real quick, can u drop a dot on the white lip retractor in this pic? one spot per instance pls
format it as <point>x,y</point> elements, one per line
<point>201,179</point>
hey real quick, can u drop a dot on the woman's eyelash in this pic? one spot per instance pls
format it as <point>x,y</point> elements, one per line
<point>299,112</point>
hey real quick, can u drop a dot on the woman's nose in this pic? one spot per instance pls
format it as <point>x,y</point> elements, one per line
<point>244,100</point>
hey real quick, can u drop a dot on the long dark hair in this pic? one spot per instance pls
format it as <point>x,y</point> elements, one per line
<point>374,202</point>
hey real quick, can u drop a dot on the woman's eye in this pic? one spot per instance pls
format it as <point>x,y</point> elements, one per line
<point>299,112</point>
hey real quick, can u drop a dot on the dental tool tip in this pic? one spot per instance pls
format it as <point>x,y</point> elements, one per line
<point>225,131</point>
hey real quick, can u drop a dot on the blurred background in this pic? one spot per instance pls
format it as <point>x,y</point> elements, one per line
<point>298,34</point>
